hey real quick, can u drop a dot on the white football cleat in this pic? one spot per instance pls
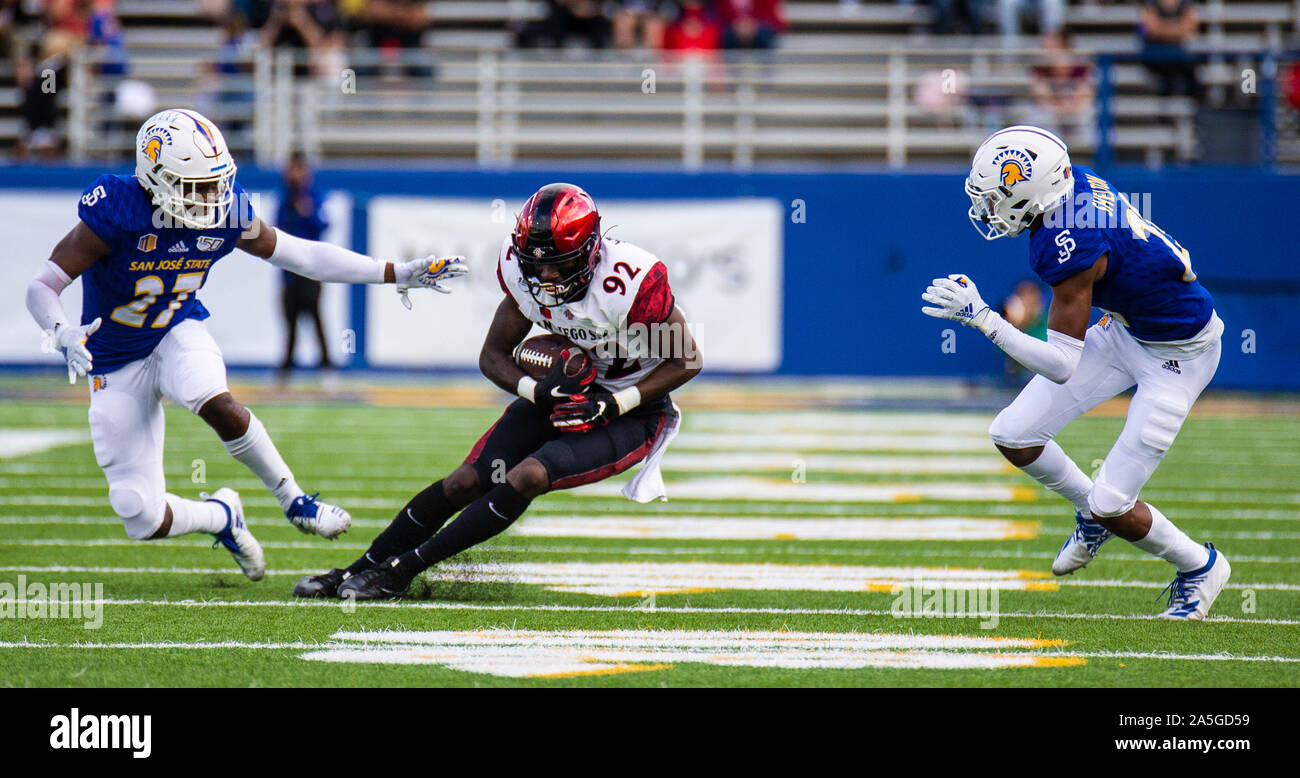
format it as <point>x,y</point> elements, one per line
<point>236,538</point>
<point>1081,547</point>
<point>1191,594</point>
<point>314,517</point>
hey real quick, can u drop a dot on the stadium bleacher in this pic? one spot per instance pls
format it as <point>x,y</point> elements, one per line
<point>841,88</point>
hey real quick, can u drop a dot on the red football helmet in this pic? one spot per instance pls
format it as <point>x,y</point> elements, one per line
<point>559,228</point>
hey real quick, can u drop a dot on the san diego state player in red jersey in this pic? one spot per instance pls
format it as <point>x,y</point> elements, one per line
<point>558,272</point>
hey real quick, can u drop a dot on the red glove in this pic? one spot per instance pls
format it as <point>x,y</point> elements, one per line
<point>585,412</point>
<point>559,387</point>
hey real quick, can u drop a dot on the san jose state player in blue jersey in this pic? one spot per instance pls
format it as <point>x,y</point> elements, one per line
<point>1159,332</point>
<point>144,247</point>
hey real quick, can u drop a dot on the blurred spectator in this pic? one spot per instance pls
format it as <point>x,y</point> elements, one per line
<point>959,16</point>
<point>1063,90</point>
<point>66,26</point>
<point>395,28</point>
<point>1051,15</point>
<point>942,93</point>
<point>1166,27</point>
<point>1289,79</point>
<point>105,33</point>
<point>219,90</point>
<point>694,31</point>
<point>38,79</point>
<point>313,25</point>
<point>14,15</point>
<point>301,214</point>
<point>584,19</point>
<point>639,24</point>
<point>750,24</point>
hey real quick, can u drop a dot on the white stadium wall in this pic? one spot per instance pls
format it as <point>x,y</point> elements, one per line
<point>724,259</point>
<point>243,293</point>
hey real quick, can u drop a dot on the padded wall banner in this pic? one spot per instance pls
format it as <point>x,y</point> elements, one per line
<point>242,292</point>
<point>724,260</point>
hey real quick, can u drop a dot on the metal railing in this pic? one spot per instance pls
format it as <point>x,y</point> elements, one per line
<point>495,108</point>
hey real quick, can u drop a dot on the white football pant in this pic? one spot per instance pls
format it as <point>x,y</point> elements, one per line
<point>1112,362</point>
<point>126,418</point>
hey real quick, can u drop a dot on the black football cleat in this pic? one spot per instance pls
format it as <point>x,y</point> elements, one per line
<point>321,584</point>
<point>384,581</point>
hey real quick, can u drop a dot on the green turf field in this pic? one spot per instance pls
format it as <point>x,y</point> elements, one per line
<point>778,561</point>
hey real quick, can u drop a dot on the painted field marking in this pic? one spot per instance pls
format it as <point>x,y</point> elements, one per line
<point>1042,658</point>
<point>21,442</point>
<point>841,422</point>
<point>824,441</point>
<point>619,579</point>
<point>307,545</point>
<point>811,496</point>
<point>572,653</point>
<point>754,528</point>
<point>872,464</point>
<point>748,488</point>
<point>637,609</point>
<point>685,528</point>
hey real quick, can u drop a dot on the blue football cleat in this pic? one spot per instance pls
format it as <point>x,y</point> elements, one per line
<point>236,538</point>
<point>1191,594</point>
<point>314,517</point>
<point>1082,545</point>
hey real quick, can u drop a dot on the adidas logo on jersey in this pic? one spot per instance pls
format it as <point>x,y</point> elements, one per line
<point>1172,366</point>
<point>178,247</point>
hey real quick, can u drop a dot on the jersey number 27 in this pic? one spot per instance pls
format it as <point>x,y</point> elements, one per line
<point>148,290</point>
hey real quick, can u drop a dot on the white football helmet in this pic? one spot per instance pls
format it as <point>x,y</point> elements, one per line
<point>182,160</point>
<point>1018,173</point>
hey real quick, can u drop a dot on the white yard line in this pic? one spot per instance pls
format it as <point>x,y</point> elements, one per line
<point>786,490</point>
<point>948,554</point>
<point>825,441</point>
<point>622,579</point>
<point>873,464</point>
<point>632,610</point>
<point>21,442</point>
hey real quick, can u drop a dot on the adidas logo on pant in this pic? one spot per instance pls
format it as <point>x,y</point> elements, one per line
<point>1172,366</point>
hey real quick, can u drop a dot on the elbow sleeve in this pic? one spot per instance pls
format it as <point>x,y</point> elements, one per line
<point>324,261</point>
<point>1054,359</point>
<point>43,296</point>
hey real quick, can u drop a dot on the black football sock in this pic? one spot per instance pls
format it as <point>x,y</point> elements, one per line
<point>415,523</point>
<point>487,516</point>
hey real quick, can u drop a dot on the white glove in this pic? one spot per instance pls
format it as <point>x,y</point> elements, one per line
<point>71,338</point>
<point>957,299</point>
<point>427,273</point>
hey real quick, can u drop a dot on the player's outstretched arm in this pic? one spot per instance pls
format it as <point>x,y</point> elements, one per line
<point>73,255</point>
<point>599,407</point>
<point>326,262</point>
<point>956,298</point>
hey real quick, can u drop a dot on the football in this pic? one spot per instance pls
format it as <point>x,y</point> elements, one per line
<point>537,355</point>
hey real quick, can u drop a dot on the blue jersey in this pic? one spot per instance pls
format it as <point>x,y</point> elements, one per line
<point>1148,286</point>
<point>147,283</point>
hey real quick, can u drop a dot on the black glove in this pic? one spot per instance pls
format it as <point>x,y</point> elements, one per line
<point>585,412</point>
<point>558,387</point>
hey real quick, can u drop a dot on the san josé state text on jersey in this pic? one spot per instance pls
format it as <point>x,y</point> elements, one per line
<point>1148,282</point>
<point>147,283</point>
